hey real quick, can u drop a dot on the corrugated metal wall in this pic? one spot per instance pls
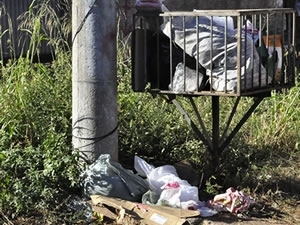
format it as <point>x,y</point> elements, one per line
<point>126,7</point>
<point>10,10</point>
<point>15,42</point>
<point>221,4</point>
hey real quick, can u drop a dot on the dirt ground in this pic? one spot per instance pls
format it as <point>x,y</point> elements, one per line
<point>278,213</point>
<point>279,206</point>
<point>282,218</point>
<point>274,213</point>
<point>223,219</point>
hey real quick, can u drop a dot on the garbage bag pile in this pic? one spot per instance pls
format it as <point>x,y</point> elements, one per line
<point>156,186</point>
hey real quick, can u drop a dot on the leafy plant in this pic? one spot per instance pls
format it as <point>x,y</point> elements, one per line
<point>38,164</point>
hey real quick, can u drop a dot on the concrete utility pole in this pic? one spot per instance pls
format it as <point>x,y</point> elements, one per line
<point>94,79</point>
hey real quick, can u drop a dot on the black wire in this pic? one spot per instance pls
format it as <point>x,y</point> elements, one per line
<point>96,139</point>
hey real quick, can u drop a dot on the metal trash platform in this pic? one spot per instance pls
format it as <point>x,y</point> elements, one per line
<point>214,53</point>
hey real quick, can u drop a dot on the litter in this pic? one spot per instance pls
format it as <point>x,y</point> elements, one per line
<point>161,195</point>
<point>166,176</point>
<point>170,195</point>
<point>233,201</point>
<point>225,49</point>
<point>149,214</point>
<point>111,179</point>
<point>185,79</point>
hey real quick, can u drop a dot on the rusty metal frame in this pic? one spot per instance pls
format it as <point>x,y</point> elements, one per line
<point>215,142</point>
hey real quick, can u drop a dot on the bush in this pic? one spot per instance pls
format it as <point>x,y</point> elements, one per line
<point>38,165</point>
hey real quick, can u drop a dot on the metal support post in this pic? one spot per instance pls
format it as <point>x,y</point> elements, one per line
<point>215,143</point>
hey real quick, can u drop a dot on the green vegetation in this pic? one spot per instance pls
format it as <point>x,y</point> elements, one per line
<point>37,162</point>
<point>39,170</point>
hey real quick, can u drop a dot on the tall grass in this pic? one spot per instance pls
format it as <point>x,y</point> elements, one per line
<point>48,22</point>
<point>6,32</point>
<point>277,121</point>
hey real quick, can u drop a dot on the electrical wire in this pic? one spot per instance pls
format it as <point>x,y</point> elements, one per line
<point>95,139</point>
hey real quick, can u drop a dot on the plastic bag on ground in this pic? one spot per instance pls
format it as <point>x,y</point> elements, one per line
<point>160,176</point>
<point>142,167</point>
<point>109,178</point>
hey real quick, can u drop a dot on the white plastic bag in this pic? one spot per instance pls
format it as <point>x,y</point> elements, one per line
<point>161,176</point>
<point>142,167</point>
<point>170,196</point>
<point>185,79</point>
